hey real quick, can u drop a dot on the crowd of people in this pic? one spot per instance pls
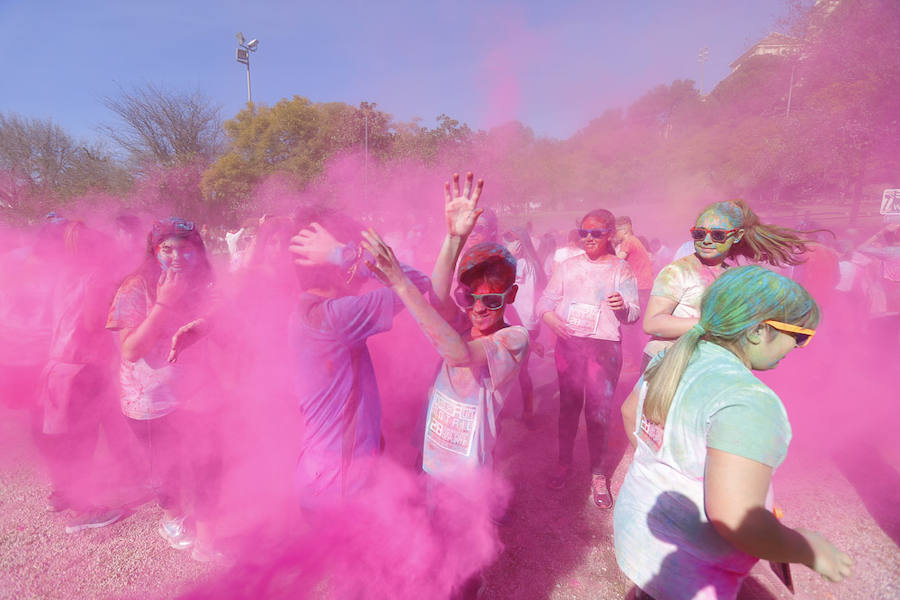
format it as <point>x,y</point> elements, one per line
<point>138,358</point>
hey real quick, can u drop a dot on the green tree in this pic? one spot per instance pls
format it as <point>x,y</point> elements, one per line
<point>294,136</point>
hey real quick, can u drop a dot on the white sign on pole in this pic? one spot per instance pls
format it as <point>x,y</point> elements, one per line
<point>890,202</point>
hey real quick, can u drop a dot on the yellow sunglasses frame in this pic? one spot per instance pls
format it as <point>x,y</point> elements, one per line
<point>788,328</point>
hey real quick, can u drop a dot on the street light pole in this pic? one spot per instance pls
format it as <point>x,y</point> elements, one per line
<point>243,56</point>
<point>702,58</point>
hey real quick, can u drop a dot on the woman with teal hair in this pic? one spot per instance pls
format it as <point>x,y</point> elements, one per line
<point>695,510</point>
<point>723,233</point>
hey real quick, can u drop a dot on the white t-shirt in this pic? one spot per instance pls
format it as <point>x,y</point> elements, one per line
<point>684,282</point>
<point>663,539</point>
<point>578,290</point>
<point>463,405</point>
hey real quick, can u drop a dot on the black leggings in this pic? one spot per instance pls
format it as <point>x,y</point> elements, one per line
<point>588,372</point>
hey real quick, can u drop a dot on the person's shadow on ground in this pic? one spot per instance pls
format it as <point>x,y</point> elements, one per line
<point>674,510</point>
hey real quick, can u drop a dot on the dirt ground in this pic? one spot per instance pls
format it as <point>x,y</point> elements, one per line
<point>557,544</point>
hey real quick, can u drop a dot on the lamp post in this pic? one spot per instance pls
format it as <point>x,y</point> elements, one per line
<point>243,56</point>
<point>701,58</point>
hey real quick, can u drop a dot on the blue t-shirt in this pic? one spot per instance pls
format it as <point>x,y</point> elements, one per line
<point>335,386</point>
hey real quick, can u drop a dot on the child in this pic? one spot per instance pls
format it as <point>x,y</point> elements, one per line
<point>479,366</point>
<point>695,510</point>
<point>723,231</point>
<point>587,298</point>
<point>334,378</point>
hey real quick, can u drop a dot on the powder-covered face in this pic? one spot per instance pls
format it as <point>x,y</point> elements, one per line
<point>708,250</point>
<point>772,347</point>
<point>595,247</point>
<point>177,254</point>
<point>484,320</point>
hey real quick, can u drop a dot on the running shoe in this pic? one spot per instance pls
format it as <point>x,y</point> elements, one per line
<point>174,532</point>
<point>600,493</point>
<point>94,519</point>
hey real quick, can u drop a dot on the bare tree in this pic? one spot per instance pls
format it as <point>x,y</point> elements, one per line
<point>165,128</point>
<point>41,164</point>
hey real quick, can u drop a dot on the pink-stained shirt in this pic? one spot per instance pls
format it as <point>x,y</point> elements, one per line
<point>683,282</point>
<point>578,290</point>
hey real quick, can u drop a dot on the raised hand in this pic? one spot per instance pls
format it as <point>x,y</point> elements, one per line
<point>171,288</point>
<point>386,266</point>
<point>313,246</point>
<point>461,208</point>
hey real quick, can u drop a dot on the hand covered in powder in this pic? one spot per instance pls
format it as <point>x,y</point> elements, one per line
<point>171,288</point>
<point>313,246</point>
<point>386,266</point>
<point>461,208</point>
<point>559,327</point>
<point>615,301</point>
<point>186,336</point>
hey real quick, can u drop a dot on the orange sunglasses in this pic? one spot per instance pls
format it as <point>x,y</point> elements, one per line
<point>801,334</point>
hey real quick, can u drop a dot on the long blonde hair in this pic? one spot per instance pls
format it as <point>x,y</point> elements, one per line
<point>736,302</point>
<point>762,242</point>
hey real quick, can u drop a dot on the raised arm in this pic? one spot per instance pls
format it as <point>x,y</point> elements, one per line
<point>461,212</point>
<point>446,340</point>
<point>137,341</point>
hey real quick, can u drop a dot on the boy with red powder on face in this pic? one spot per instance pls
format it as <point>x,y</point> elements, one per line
<point>480,365</point>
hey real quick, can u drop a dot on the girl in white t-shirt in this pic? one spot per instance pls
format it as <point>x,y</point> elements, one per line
<point>723,231</point>
<point>694,513</point>
<point>587,298</point>
<point>158,312</point>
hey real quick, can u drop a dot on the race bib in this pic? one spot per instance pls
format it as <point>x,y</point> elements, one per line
<point>451,424</point>
<point>583,318</point>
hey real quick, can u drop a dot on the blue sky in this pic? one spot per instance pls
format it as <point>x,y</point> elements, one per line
<point>554,66</point>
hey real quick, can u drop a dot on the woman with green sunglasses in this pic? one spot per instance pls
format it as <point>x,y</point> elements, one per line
<point>723,232</point>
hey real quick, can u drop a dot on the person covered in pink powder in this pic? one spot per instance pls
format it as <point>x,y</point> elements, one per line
<point>479,365</point>
<point>77,393</point>
<point>587,299</point>
<point>724,231</point>
<point>334,379</point>
<point>481,354</point>
<point>158,312</point>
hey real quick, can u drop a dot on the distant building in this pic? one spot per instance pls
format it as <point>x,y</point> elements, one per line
<point>776,44</point>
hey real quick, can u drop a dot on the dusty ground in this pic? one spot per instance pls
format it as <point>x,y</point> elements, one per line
<point>557,544</point>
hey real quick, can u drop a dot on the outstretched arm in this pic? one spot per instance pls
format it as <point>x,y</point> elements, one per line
<point>734,492</point>
<point>446,340</point>
<point>461,212</point>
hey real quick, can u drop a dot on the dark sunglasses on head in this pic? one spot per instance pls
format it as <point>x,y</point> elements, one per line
<point>718,235</point>
<point>465,299</point>
<point>594,233</point>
